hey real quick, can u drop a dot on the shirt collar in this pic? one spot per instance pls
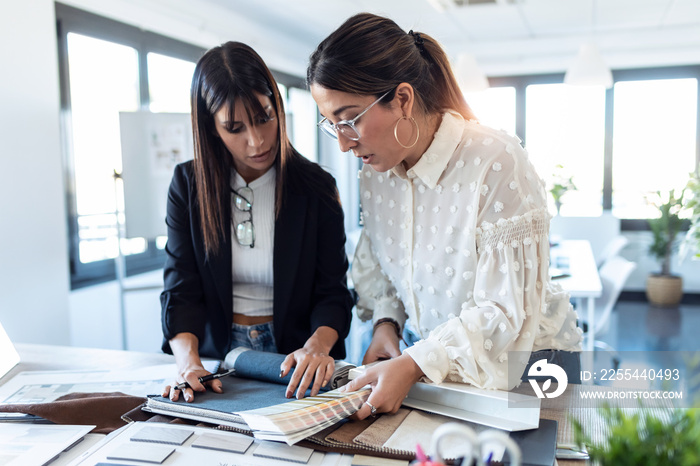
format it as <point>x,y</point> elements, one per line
<point>433,162</point>
<point>238,182</point>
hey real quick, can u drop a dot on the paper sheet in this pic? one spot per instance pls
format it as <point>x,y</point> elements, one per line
<point>23,444</point>
<point>46,386</point>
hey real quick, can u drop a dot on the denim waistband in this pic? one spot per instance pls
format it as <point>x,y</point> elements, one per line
<point>260,337</point>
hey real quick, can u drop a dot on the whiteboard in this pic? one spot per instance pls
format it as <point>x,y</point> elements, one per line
<point>152,144</point>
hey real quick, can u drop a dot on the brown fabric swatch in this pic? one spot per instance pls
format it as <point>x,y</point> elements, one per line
<point>347,432</point>
<point>379,432</point>
<point>104,410</point>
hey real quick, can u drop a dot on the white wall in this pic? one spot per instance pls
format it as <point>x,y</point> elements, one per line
<point>34,280</point>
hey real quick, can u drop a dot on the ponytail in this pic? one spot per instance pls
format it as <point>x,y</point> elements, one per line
<point>370,54</point>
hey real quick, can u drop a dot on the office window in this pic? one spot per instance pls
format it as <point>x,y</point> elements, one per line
<point>302,119</point>
<point>654,141</point>
<point>494,107</point>
<point>169,82</point>
<point>565,125</point>
<point>103,67</point>
<point>103,82</point>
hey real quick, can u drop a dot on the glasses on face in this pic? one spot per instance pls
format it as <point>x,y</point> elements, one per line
<point>245,231</point>
<point>346,127</point>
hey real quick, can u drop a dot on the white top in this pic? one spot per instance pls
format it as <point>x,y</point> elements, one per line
<point>459,244</point>
<point>251,268</point>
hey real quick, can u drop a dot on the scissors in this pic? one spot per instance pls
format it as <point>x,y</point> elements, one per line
<point>477,446</point>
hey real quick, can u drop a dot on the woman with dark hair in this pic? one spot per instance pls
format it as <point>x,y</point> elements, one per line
<point>454,242</point>
<point>256,243</point>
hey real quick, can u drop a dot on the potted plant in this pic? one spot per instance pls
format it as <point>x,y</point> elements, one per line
<point>665,288</point>
<point>561,183</point>
<point>692,204</point>
<point>642,439</point>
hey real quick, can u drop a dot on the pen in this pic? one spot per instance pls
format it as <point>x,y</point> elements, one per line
<point>205,378</point>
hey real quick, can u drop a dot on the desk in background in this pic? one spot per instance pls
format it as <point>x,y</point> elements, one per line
<point>583,280</point>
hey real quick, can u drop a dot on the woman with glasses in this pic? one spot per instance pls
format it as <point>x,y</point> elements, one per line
<point>256,243</point>
<point>454,243</point>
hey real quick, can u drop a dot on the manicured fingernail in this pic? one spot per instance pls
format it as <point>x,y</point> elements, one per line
<point>288,394</point>
<point>187,397</point>
<point>281,373</point>
<point>325,382</point>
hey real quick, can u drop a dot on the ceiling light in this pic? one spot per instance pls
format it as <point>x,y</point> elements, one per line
<point>589,69</point>
<point>470,76</point>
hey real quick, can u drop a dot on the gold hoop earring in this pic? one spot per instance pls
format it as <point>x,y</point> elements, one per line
<point>396,136</point>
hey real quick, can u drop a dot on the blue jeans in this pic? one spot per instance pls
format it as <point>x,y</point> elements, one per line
<point>260,337</point>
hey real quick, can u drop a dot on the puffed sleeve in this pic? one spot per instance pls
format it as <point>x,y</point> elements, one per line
<point>511,287</point>
<point>377,298</point>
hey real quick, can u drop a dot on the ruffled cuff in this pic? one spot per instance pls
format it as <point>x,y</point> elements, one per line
<point>432,359</point>
<point>389,308</point>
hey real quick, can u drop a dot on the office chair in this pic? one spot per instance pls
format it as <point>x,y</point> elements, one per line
<point>613,275</point>
<point>611,249</point>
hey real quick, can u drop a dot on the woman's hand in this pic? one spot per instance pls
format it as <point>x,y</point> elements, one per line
<point>390,381</point>
<point>191,375</point>
<point>312,363</point>
<point>384,344</point>
<point>189,369</point>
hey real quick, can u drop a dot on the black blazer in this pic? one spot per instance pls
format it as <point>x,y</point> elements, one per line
<point>309,267</point>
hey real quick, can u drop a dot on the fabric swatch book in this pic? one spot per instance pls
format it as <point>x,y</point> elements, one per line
<point>254,401</point>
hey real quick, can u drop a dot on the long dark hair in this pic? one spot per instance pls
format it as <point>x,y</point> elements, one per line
<point>370,54</point>
<point>225,73</point>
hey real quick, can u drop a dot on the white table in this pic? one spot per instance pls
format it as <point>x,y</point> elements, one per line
<point>583,282</point>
